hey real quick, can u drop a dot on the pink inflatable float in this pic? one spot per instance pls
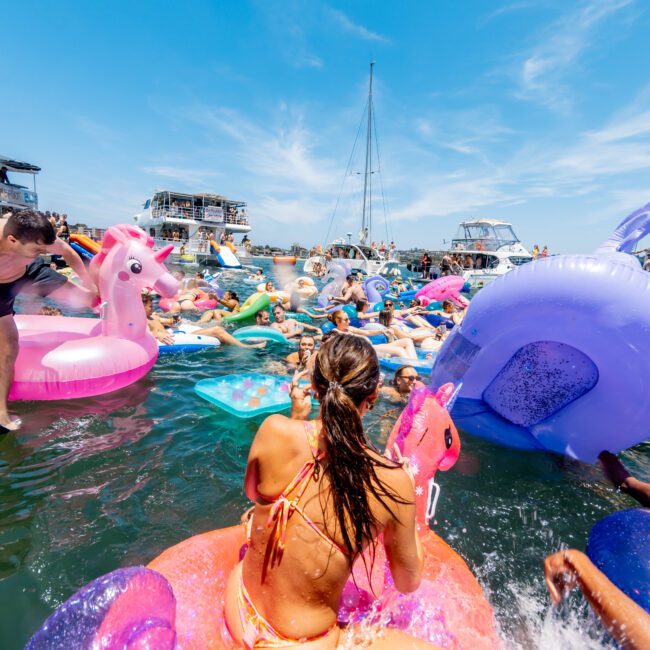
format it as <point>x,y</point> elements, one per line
<point>62,357</point>
<point>202,302</point>
<point>445,288</point>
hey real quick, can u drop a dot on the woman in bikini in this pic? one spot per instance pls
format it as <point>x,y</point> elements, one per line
<point>322,494</point>
<point>403,348</point>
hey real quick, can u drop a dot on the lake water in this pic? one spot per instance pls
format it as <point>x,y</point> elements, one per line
<point>91,485</point>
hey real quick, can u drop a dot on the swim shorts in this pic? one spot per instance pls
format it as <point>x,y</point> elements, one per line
<point>39,276</point>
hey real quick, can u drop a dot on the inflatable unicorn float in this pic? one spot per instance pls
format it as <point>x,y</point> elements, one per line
<point>555,354</point>
<point>62,357</point>
<point>177,600</point>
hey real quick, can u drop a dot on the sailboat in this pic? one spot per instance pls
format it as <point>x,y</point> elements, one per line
<point>361,257</point>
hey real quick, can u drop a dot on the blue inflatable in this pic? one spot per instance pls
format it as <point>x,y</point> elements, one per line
<point>186,341</point>
<point>247,395</point>
<point>421,364</point>
<point>619,545</point>
<point>555,354</point>
<point>375,340</point>
<point>255,332</point>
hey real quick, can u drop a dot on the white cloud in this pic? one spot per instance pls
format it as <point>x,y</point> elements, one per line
<point>191,177</point>
<point>541,76</point>
<point>351,27</point>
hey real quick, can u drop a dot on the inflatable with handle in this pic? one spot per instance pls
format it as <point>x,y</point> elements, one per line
<point>555,354</point>
<point>448,608</point>
<point>375,288</point>
<point>62,357</point>
<point>337,271</point>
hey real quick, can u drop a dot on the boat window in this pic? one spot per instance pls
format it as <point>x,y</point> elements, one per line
<point>518,260</point>
<point>506,234</point>
<point>147,203</point>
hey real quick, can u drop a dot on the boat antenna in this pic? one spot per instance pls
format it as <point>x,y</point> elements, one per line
<point>366,222</point>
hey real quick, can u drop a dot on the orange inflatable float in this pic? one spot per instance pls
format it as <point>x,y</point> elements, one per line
<point>448,609</point>
<point>284,259</point>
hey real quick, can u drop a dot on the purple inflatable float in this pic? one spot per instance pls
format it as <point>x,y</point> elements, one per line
<point>555,354</point>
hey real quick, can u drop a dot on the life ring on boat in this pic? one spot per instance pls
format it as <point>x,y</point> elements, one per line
<point>479,246</point>
<point>284,259</point>
<point>138,603</point>
<point>62,358</point>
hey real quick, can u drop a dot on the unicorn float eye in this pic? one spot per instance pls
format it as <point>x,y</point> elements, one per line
<point>448,438</point>
<point>134,265</point>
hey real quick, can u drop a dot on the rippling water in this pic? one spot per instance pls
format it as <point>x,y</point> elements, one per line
<point>91,485</point>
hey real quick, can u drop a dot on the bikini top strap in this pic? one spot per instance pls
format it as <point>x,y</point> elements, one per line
<point>312,438</point>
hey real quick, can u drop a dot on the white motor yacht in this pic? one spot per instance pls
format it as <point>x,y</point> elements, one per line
<point>488,248</point>
<point>13,195</point>
<point>194,225</point>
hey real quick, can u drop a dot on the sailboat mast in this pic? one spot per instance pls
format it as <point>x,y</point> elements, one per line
<point>367,180</point>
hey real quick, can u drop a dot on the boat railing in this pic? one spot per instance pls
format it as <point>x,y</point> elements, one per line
<point>192,245</point>
<point>198,214</point>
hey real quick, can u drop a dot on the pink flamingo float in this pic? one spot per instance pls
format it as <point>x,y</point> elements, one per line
<point>62,357</point>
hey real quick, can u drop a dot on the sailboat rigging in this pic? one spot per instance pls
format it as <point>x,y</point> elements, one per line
<point>361,257</point>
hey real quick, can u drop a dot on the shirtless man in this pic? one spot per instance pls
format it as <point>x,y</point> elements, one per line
<point>290,327</point>
<point>24,237</point>
<point>352,292</point>
<point>157,326</point>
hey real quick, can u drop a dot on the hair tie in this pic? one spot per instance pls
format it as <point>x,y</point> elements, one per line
<point>333,385</point>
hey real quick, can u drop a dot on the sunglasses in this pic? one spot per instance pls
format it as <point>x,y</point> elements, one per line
<point>410,377</point>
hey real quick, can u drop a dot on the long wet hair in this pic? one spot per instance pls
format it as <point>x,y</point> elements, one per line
<point>345,374</point>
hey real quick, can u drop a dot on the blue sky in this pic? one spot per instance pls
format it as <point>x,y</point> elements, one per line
<point>533,112</point>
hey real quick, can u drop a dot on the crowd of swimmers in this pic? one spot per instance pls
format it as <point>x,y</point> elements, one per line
<point>322,493</point>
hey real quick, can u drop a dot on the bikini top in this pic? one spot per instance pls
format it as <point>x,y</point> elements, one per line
<point>285,505</point>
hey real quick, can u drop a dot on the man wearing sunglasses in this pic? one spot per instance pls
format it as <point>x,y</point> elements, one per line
<point>405,380</point>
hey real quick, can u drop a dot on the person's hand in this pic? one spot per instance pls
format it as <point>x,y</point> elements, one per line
<point>405,463</point>
<point>165,338</point>
<point>613,468</point>
<point>560,575</point>
<point>300,397</point>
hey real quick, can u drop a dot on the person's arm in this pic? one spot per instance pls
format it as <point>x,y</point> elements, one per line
<point>623,480</point>
<point>401,540</point>
<point>159,332</point>
<point>626,621</point>
<point>59,247</point>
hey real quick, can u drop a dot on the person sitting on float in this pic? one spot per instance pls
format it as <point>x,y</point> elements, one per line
<point>352,291</point>
<point>269,287</point>
<point>426,336</point>
<point>157,326</point>
<point>229,300</point>
<point>186,299</point>
<point>258,276</point>
<point>290,327</point>
<point>406,378</point>
<point>337,495</point>
<point>403,348</point>
<point>449,311</point>
<point>25,236</point>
